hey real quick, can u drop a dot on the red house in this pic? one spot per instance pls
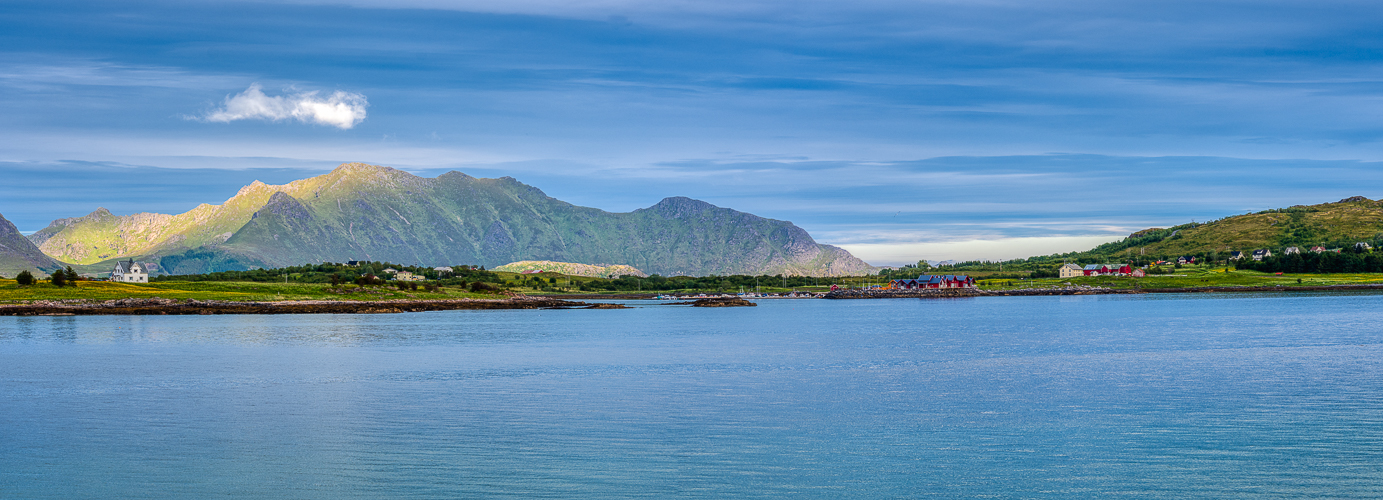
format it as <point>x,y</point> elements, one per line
<point>1107,269</point>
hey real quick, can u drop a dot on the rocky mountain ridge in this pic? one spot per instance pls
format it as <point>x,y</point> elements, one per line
<point>368,212</point>
<point>17,253</point>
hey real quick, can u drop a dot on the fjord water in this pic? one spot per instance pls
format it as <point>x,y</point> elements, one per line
<point>1154,396</point>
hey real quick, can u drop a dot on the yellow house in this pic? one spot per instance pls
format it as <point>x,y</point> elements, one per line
<point>1070,271</point>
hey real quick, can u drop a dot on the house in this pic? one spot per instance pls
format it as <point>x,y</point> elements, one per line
<point>353,263</point>
<point>389,270</point>
<point>1236,255</point>
<point>129,272</point>
<point>1186,260</point>
<point>1291,250</point>
<point>1318,249</point>
<point>1362,246</point>
<point>1138,273</point>
<point>1069,271</point>
<point>1262,254</point>
<point>1106,269</point>
<point>442,270</point>
<point>407,276</point>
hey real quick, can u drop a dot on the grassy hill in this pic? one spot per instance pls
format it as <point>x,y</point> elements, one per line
<point>1331,225</point>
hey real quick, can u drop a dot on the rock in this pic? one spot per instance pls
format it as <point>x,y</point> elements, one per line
<point>723,302</point>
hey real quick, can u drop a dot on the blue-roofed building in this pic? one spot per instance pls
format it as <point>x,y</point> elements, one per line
<point>933,281</point>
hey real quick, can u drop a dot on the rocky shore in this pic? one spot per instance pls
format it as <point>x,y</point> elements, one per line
<point>159,306</point>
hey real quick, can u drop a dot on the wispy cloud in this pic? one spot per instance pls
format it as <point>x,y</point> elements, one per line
<point>340,109</point>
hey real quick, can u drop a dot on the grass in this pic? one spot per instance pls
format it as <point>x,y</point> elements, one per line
<point>1191,277</point>
<point>11,292</point>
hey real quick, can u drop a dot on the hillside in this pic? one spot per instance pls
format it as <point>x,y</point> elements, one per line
<point>571,269</point>
<point>1338,224</point>
<point>367,212</point>
<point>17,253</point>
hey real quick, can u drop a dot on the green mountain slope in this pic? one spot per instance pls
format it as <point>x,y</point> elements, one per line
<point>366,212</point>
<point>17,253</point>
<point>1331,225</point>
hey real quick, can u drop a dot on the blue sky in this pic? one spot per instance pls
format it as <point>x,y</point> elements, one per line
<point>899,130</point>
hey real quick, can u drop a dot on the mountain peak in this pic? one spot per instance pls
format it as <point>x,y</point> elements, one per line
<point>284,205</point>
<point>254,186</point>
<point>357,169</point>
<point>677,206</point>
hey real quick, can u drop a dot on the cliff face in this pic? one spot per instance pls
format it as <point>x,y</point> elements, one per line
<point>367,212</point>
<point>17,253</point>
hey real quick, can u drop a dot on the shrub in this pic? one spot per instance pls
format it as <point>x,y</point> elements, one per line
<point>480,287</point>
<point>25,278</point>
<point>58,278</point>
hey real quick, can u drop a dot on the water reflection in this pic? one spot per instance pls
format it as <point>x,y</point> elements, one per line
<point>1031,397</point>
<point>343,330</point>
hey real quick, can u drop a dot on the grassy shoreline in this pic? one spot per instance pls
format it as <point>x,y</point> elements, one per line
<point>233,291</point>
<point>1192,277</point>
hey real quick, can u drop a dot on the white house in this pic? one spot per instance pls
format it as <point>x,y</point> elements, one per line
<point>407,276</point>
<point>129,272</point>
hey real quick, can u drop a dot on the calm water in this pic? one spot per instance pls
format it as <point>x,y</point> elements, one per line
<point>1254,396</point>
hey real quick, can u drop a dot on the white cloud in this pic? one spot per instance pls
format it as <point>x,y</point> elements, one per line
<point>340,109</point>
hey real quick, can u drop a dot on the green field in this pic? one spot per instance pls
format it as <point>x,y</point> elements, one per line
<point>1191,277</point>
<point>11,292</point>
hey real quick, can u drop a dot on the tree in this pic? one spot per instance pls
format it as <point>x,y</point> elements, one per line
<point>71,276</point>
<point>58,278</point>
<point>25,277</point>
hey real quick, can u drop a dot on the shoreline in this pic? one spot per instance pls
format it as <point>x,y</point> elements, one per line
<point>160,306</point>
<point>937,293</point>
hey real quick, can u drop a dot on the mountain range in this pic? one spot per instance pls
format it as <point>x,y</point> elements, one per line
<point>369,212</point>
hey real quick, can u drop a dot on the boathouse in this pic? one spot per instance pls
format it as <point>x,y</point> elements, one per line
<point>933,281</point>
<point>1107,269</point>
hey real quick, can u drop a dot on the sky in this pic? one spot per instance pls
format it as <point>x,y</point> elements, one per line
<point>899,130</point>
